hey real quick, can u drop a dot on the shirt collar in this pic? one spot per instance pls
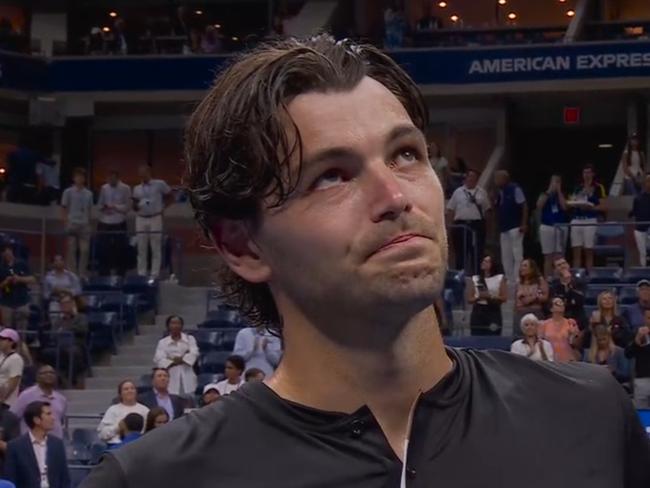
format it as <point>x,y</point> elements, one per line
<point>33,440</point>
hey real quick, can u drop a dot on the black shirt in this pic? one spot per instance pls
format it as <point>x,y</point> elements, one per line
<point>496,420</point>
<point>574,298</point>
<point>17,294</point>
<point>641,355</point>
<point>10,425</point>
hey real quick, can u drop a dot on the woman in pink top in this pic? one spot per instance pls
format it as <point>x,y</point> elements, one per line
<point>560,332</point>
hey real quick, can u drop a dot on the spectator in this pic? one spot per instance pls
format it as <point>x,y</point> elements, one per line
<point>150,198</point>
<point>553,213</point>
<point>114,204</point>
<point>157,417</point>
<point>531,293</point>
<point>639,350</point>
<point>15,278</point>
<point>37,459</point>
<point>11,366</point>
<point>561,332</point>
<point>235,366</point>
<point>254,375</point>
<point>59,281</point>
<point>259,348</point>
<point>43,391</point>
<point>486,292</point>
<point>467,208</point>
<point>633,164</point>
<point>21,173</point>
<point>9,429</point>
<point>512,212</point>
<point>440,165</point>
<point>123,41</point>
<point>159,396</point>
<point>531,345</point>
<point>109,427</point>
<point>210,394</point>
<point>607,315</point>
<point>641,213</point>
<point>131,428</point>
<point>588,202</point>
<point>457,172</point>
<point>48,182</point>
<point>177,352</point>
<point>635,312</point>
<point>603,351</point>
<point>211,42</point>
<point>96,43</point>
<point>566,286</point>
<point>77,203</point>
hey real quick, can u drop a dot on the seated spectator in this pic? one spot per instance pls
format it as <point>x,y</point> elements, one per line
<point>486,292</point>
<point>9,429</point>
<point>210,394</point>
<point>109,427</point>
<point>607,315</point>
<point>254,374</point>
<point>259,348</point>
<point>177,353</point>
<point>37,459</point>
<point>11,366</point>
<point>639,349</point>
<point>157,417</point>
<point>567,287</point>
<point>43,391</point>
<point>130,429</point>
<point>603,351</point>
<point>634,313</point>
<point>531,293</point>
<point>159,396</point>
<point>15,278</point>
<point>234,370</point>
<point>561,332</point>
<point>57,282</point>
<point>531,345</point>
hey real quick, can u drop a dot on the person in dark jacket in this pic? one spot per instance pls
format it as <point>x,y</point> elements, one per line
<point>639,349</point>
<point>159,396</point>
<point>9,429</point>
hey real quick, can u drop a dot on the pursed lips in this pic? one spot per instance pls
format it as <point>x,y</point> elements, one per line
<point>398,240</point>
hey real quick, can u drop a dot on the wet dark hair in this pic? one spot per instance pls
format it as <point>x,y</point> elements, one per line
<point>240,139</point>
<point>32,411</point>
<point>237,361</point>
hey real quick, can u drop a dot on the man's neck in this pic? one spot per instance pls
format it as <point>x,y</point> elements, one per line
<point>47,390</point>
<point>162,393</point>
<point>39,434</point>
<point>79,187</point>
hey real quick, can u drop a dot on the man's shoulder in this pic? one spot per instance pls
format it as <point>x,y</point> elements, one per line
<point>19,442</point>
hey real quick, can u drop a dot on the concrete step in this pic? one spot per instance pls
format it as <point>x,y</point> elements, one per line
<point>112,382</point>
<point>115,371</point>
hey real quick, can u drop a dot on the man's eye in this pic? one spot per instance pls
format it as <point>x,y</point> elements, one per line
<point>406,157</point>
<point>328,179</point>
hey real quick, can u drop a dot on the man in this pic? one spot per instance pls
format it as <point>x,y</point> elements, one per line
<point>131,428</point>
<point>467,208</point>
<point>639,349</point>
<point>160,396</point>
<point>77,204</point>
<point>343,248</point>
<point>565,286</point>
<point>37,459</point>
<point>15,278</point>
<point>553,232</point>
<point>512,214</point>
<point>150,198</point>
<point>114,204</point>
<point>641,213</point>
<point>57,282</point>
<point>11,366</point>
<point>43,391</point>
<point>634,313</point>
<point>259,348</point>
<point>49,186</point>
<point>588,202</point>
<point>210,394</point>
<point>9,429</point>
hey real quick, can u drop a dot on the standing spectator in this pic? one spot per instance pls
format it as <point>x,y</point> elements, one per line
<point>77,203</point>
<point>124,41</point>
<point>394,24</point>
<point>114,204</point>
<point>641,213</point>
<point>553,214</point>
<point>9,429</point>
<point>21,173</point>
<point>150,198</point>
<point>531,345</point>
<point>259,348</point>
<point>634,166</point>
<point>43,391</point>
<point>566,286</point>
<point>634,313</point>
<point>131,428</point>
<point>440,165</point>
<point>37,459</point>
<point>467,208</point>
<point>254,375</point>
<point>159,396</point>
<point>531,293</point>
<point>11,366</point>
<point>588,202</point>
<point>109,427</point>
<point>210,394</point>
<point>486,292</point>
<point>603,351</point>
<point>48,183</point>
<point>177,352</point>
<point>15,278</point>
<point>512,214</point>
<point>639,349</point>
<point>211,42</point>
<point>157,417</point>
<point>235,366</point>
<point>59,281</point>
<point>561,332</point>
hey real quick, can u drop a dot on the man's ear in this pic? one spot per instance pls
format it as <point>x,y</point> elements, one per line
<point>233,241</point>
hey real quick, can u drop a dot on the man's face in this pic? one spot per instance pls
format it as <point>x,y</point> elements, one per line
<point>144,172</point>
<point>113,179</point>
<point>562,267</point>
<point>67,305</point>
<point>46,376</point>
<point>58,263</point>
<point>366,182</point>
<point>231,372</point>
<point>160,380</point>
<point>46,420</point>
<point>8,255</point>
<point>471,179</point>
<point>79,179</point>
<point>587,174</point>
<point>500,179</point>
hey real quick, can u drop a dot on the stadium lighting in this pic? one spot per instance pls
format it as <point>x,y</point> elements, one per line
<point>217,26</point>
<point>112,14</point>
<point>570,13</point>
<point>198,12</point>
<point>512,16</point>
<point>562,1</point>
<point>454,18</point>
<point>2,171</point>
<point>605,146</point>
<point>502,2</point>
<point>235,38</point>
<point>442,4</point>
<point>106,29</point>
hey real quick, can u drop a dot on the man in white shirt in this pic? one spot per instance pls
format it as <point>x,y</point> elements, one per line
<point>77,203</point>
<point>150,199</point>
<point>11,366</point>
<point>114,204</point>
<point>234,370</point>
<point>467,208</point>
<point>259,348</point>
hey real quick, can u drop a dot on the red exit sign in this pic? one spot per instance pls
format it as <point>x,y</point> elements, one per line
<point>571,115</point>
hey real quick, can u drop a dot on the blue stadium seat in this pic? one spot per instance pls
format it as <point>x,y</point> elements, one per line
<point>227,339</point>
<point>223,318</point>
<point>92,301</point>
<point>146,288</point>
<point>144,384</point>
<point>635,274</point>
<point>206,339</point>
<point>103,329</point>
<point>6,484</point>
<point>103,283</point>
<point>628,295</point>
<point>499,343</point>
<point>605,275</point>
<point>213,361</point>
<point>610,241</point>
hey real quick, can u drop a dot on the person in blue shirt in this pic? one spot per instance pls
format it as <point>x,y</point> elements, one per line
<point>552,207</point>
<point>588,203</point>
<point>131,428</point>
